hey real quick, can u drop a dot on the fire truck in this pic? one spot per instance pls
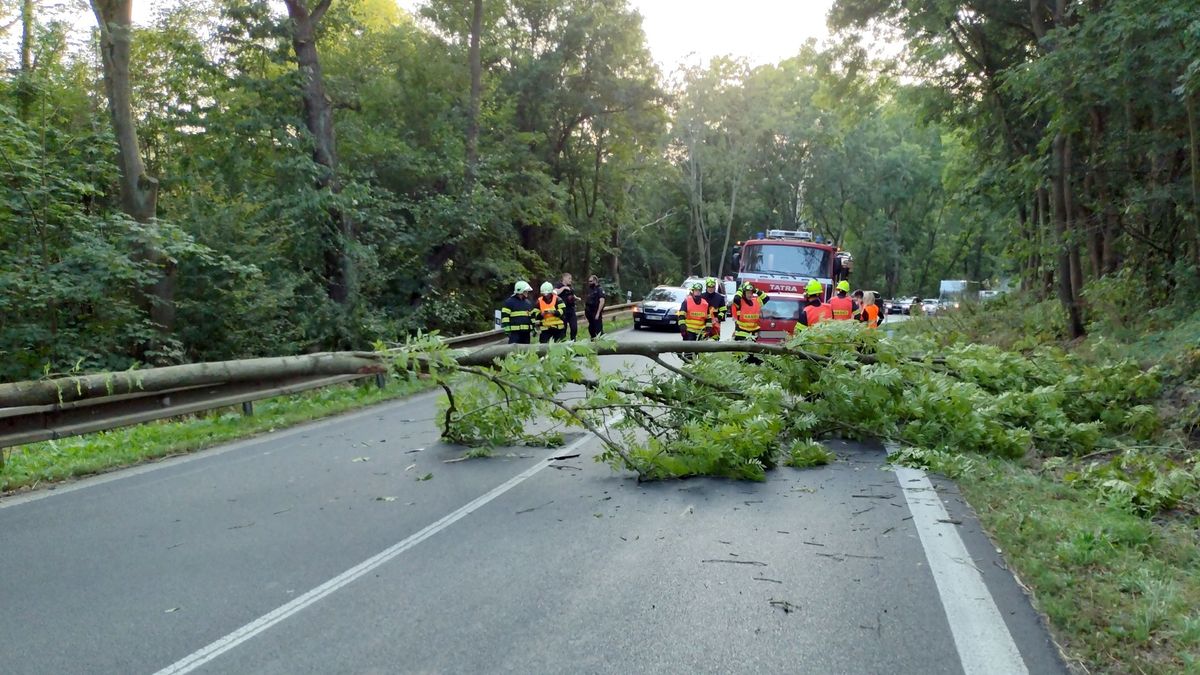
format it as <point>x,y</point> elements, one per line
<point>781,263</point>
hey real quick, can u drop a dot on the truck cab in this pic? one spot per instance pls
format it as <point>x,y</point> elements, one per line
<point>781,263</point>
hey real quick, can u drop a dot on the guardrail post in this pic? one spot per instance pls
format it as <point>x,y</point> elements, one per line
<point>247,408</point>
<point>381,380</point>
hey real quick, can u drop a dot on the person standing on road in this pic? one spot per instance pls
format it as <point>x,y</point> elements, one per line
<point>870,310</point>
<point>567,294</point>
<point>694,315</point>
<point>748,288</point>
<point>746,310</point>
<point>716,302</point>
<point>516,315</point>
<point>815,310</point>
<point>841,304</point>
<point>593,307</point>
<point>550,310</point>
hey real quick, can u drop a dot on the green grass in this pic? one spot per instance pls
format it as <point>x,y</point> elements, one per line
<point>52,461</point>
<point>1122,592</point>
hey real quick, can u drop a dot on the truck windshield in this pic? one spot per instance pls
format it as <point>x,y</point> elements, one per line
<point>780,309</point>
<point>800,261</point>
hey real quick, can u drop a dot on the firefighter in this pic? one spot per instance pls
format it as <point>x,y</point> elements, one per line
<point>516,314</point>
<point>694,316</point>
<point>842,305</point>
<point>550,311</point>
<point>746,310</point>
<point>716,302</point>
<point>815,311</point>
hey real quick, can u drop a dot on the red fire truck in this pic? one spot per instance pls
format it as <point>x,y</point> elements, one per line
<point>782,262</point>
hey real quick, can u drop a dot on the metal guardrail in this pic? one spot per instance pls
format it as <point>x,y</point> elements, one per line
<point>29,424</point>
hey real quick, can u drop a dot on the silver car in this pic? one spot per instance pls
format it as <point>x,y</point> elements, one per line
<point>660,308</point>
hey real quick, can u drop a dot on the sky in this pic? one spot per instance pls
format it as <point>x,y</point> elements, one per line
<point>762,31</point>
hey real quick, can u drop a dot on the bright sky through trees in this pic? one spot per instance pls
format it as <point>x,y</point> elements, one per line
<point>762,31</point>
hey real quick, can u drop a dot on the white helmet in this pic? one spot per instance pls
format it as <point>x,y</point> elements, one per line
<point>521,287</point>
<point>547,287</point>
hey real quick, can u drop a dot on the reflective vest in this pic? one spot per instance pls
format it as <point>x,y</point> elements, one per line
<point>842,307</point>
<point>748,315</point>
<point>551,311</point>
<point>817,313</point>
<point>516,315</point>
<point>872,315</point>
<point>695,314</point>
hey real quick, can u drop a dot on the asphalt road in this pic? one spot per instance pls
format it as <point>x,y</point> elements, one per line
<point>316,550</point>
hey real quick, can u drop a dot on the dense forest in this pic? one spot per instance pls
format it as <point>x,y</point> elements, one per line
<point>244,177</point>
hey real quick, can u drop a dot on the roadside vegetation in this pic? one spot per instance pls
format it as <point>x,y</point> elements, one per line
<point>1105,534</point>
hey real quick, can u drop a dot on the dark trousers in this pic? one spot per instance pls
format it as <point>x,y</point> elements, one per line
<point>595,326</point>
<point>518,337</point>
<point>572,321</point>
<point>551,335</point>
<point>750,358</point>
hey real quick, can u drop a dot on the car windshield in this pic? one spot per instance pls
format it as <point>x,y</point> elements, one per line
<point>780,309</point>
<point>800,261</point>
<point>666,295</point>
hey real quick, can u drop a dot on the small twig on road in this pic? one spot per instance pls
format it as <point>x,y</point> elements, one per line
<point>534,508</point>
<point>813,543</point>
<point>737,562</point>
<point>774,581</point>
<point>786,606</point>
<point>873,496</point>
<point>859,513</point>
<point>950,521</point>
<point>555,459</point>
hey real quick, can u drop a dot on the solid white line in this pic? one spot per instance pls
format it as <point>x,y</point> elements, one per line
<point>982,638</point>
<point>206,654</point>
<point>41,493</point>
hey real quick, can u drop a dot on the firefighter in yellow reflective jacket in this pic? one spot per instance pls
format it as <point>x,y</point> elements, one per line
<point>550,312</point>
<point>516,314</point>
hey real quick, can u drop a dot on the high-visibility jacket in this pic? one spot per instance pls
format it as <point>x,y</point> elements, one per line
<point>516,315</point>
<point>747,314</point>
<point>694,314</point>
<point>551,311</point>
<point>716,301</point>
<point>815,314</point>
<point>871,316</point>
<point>842,307</point>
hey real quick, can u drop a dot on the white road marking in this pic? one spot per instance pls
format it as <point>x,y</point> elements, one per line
<point>206,654</point>
<point>982,638</point>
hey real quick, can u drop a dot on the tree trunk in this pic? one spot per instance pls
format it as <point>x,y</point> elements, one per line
<point>1072,242</point>
<point>722,254</point>
<point>1194,162</point>
<point>139,192</point>
<point>476,87</point>
<point>25,78</point>
<point>1061,224</point>
<point>318,119</point>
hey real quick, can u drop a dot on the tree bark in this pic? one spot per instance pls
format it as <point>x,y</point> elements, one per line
<point>476,93</point>
<point>722,254</point>
<point>1194,165</point>
<point>1061,222</point>
<point>336,237</point>
<point>139,192</point>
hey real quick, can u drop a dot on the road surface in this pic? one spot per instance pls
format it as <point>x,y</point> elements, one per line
<point>316,550</point>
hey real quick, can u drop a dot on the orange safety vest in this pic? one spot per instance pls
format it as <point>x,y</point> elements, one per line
<point>747,314</point>
<point>842,307</point>
<point>817,313</point>
<point>872,316</point>
<point>696,315</point>
<point>547,309</point>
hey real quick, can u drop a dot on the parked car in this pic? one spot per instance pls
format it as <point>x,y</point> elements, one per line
<point>897,306</point>
<point>931,306</point>
<point>659,308</point>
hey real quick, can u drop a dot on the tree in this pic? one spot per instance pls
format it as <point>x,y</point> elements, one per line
<point>139,192</point>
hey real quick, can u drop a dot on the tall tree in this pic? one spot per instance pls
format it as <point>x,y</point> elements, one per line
<point>476,93</point>
<point>139,191</point>
<point>337,235</point>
